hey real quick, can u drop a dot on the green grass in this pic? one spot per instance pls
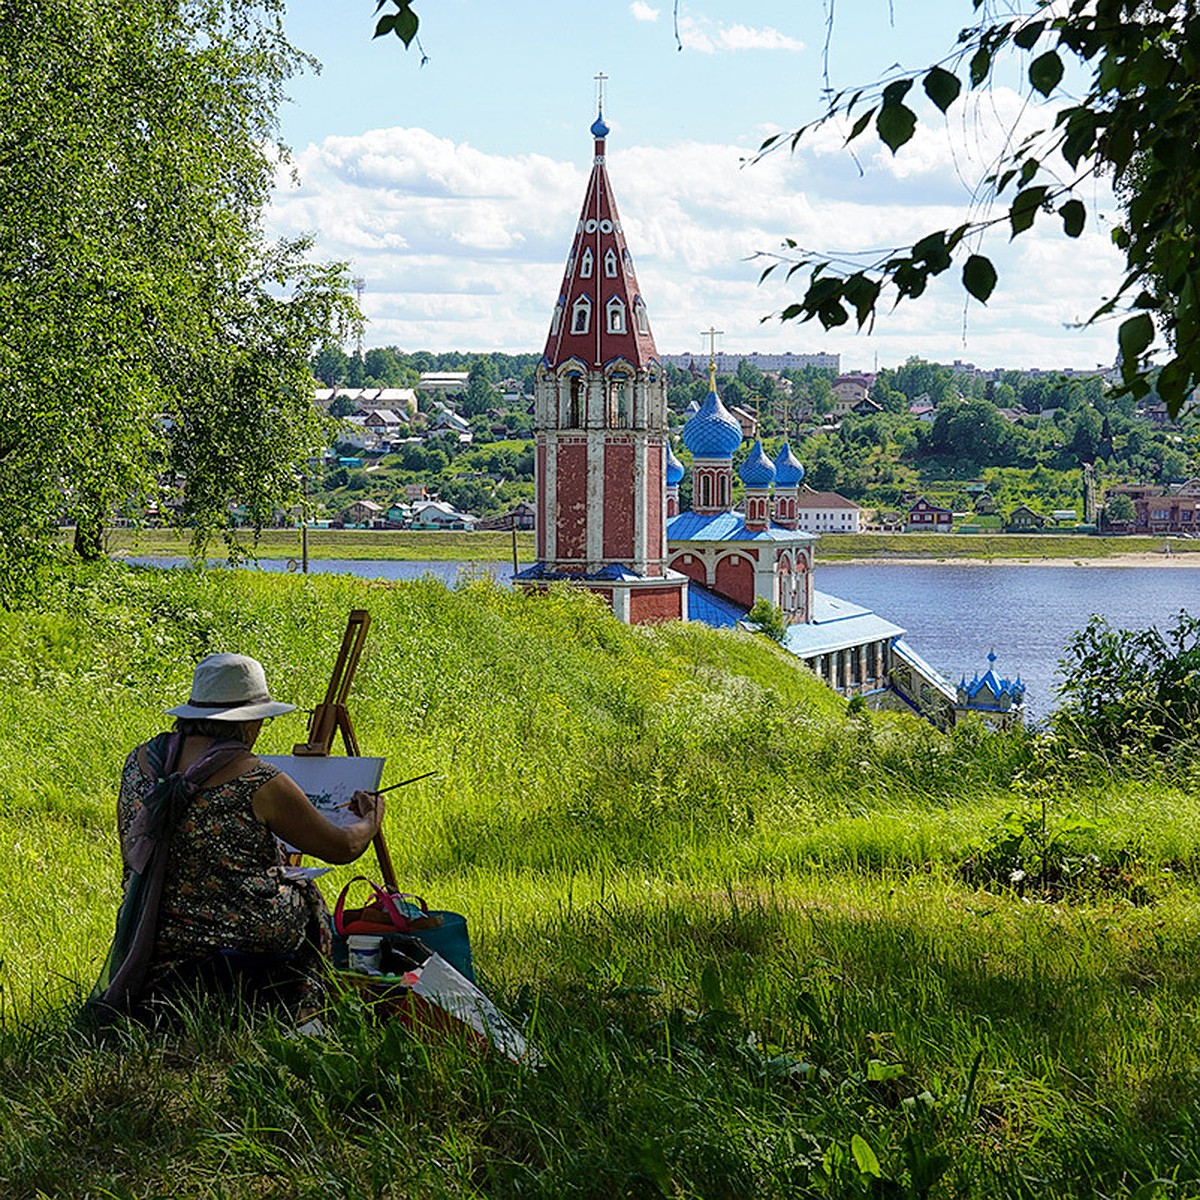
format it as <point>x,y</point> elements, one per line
<point>413,545</point>
<point>487,547</point>
<point>736,920</point>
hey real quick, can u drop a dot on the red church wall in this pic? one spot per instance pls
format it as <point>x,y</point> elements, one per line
<point>540,491</point>
<point>655,494</point>
<point>648,605</point>
<point>572,501</point>
<point>693,570</point>
<point>735,579</point>
<point>619,495</point>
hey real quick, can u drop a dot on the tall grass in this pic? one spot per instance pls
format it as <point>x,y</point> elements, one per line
<point>736,919</point>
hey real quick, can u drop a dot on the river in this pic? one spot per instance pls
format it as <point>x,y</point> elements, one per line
<point>953,614</point>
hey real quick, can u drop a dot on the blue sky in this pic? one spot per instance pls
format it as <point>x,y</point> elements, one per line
<point>453,187</point>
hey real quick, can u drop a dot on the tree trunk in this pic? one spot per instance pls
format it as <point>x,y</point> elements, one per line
<point>89,538</point>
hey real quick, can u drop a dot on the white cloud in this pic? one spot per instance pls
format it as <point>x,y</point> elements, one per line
<point>465,250</point>
<point>711,37</point>
<point>641,11</point>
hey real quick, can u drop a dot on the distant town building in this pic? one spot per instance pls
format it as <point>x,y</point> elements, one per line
<point>443,383</point>
<point>727,364</point>
<point>827,512</point>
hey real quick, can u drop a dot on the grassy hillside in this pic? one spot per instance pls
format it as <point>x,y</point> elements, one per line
<point>768,947</point>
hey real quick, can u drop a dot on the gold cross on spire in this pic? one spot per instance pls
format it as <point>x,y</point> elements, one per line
<point>712,335</point>
<point>600,78</point>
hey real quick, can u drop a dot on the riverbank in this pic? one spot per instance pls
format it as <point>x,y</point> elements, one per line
<point>903,549</point>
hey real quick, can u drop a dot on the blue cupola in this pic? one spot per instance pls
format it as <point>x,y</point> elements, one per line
<point>757,471</point>
<point>788,470</point>
<point>674,469</point>
<point>990,695</point>
<point>713,432</point>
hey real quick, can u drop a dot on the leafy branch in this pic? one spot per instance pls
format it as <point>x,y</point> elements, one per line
<point>1138,124</point>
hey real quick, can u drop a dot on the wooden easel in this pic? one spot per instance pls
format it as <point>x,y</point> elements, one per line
<point>332,716</point>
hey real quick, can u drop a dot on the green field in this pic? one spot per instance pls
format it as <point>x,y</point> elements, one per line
<point>766,946</point>
<point>416,545</point>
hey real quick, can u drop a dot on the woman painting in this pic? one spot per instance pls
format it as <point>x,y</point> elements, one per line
<point>200,820</point>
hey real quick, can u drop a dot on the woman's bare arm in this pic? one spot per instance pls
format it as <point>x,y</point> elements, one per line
<point>291,817</point>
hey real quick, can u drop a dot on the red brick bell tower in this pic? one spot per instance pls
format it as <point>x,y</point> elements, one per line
<point>601,426</point>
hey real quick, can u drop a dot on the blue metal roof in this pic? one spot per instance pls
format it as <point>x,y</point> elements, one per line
<point>788,470</point>
<point>713,432</point>
<point>757,470</point>
<point>609,573</point>
<point>705,605</point>
<point>674,468</point>
<point>730,527</point>
<point>837,624</point>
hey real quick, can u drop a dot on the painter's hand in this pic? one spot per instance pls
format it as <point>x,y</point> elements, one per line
<point>369,806</point>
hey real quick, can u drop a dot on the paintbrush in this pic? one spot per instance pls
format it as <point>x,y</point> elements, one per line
<point>392,786</point>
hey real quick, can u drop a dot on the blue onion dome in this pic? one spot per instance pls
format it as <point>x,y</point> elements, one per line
<point>674,468</point>
<point>757,470</point>
<point>788,470</point>
<point>600,127</point>
<point>713,432</point>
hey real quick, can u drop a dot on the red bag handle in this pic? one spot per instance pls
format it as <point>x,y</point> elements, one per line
<point>386,900</point>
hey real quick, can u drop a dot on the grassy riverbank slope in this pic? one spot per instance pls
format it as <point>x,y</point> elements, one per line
<point>767,947</point>
<point>486,547</point>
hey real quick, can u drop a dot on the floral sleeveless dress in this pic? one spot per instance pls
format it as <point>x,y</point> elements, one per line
<point>225,887</point>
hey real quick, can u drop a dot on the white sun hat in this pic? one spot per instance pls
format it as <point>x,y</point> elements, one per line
<point>230,687</point>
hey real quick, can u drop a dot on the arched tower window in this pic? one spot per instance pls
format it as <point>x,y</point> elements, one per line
<point>610,263</point>
<point>576,393</point>
<point>619,402</point>
<point>616,315</point>
<point>641,316</point>
<point>628,259</point>
<point>586,263</point>
<point>581,315</point>
<point>705,491</point>
<point>556,320</point>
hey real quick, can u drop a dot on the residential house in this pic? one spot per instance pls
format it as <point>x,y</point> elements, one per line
<point>437,514</point>
<point>1024,519</point>
<point>867,407</point>
<point>746,419</point>
<point>849,390</point>
<point>926,517</point>
<point>385,423</point>
<point>362,514</point>
<point>925,412</point>
<point>520,516</point>
<point>444,419</point>
<point>1168,513</point>
<point>826,512</point>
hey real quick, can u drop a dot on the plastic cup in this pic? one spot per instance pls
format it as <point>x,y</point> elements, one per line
<point>362,953</point>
